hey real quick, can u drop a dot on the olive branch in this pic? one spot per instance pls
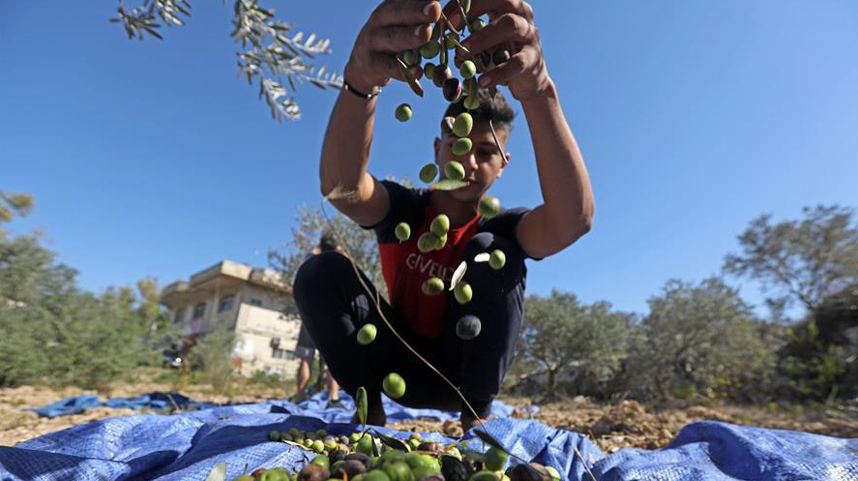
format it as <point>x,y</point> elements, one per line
<point>271,56</point>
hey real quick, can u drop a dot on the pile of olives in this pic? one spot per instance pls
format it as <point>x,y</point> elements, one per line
<point>363,457</point>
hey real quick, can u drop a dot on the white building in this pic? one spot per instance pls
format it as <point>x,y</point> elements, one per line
<point>246,300</point>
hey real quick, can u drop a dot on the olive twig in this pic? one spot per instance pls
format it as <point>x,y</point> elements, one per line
<point>495,137</point>
<point>449,24</point>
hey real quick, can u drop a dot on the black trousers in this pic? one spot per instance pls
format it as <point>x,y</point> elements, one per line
<point>334,306</point>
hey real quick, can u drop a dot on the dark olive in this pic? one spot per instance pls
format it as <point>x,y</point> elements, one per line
<point>453,469</point>
<point>501,56</point>
<point>351,468</point>
<point>431,446</point>
<point>452,90</point>
<point>314,472</point>
<point>441,74</point>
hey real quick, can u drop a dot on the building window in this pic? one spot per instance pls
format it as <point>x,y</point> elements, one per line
<point>277,353</point>
<point>256,302</point>
<point>180,315</point>
<point>226,304</point>
<point>199,310</point>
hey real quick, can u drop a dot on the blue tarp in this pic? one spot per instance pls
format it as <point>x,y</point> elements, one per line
<point>187,446</point>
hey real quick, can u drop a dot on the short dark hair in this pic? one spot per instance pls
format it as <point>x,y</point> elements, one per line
<point>491,108</point>
<point>328,242</point>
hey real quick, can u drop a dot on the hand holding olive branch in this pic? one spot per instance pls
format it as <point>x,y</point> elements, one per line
<point>511,26</point>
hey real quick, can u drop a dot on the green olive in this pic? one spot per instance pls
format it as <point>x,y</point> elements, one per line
<point>426,242</point>
<point>468,69</point>
<point>455,170</point>
<point>376,475</point>
<point>484,475</point>
<point>403,231</point>
<point>553,473</point>
<point>430,50</point>
<point>497,259</point>
<point>461,146</point>
<point>428,173</point>
<point>463,124</point>
<point>450,40</point>
<point>429,70</point>
<point>489,206</point>
<point>440,225</point>
<point>433,286</point>
<point>394,385</point>
<point>477,24</point>
<point>403,113</point>
<point>442,241</point>
<point>323,461</point>
<point>472,102</point>
<point>366,334</point>
<point>495,459</point>
<point>274,436</point>
<point>463,292</point>
<point>410,57</point>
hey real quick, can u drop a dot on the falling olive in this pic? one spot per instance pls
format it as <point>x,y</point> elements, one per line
<point>462,146</point>
<point>428,173</point>
<point>489,206</point>
<point>433,286</point>
<point>366,334</point>
<point>403,231</point>
<point>403,113</point>
<point>463,293</point>
<point>440,224</point>
<point>455,170</point>
<point>427,242</point>
<point>472,102</point>
<point>468,69</point>
<point>394,385</point>
<point>463,124</point>
<point>497,259</point>
<point>468,327</point>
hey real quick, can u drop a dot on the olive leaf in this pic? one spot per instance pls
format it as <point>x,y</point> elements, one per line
<point>409,77</point>
<point>448,184</point>
<point>361,403</point>
<point>491,441</point>
<point>458,275</point>
<point>482,257</point>
<point>391,442</point>
<point>218,473</point>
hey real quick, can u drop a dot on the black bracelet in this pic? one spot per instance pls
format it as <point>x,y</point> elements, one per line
<point>347,86</point>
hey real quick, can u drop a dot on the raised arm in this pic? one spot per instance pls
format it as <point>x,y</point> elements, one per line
<point>394,26</point>
<point>568,205</point>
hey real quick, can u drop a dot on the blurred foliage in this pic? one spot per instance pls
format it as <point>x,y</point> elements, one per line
<point>804,260</point>
<point>272,56</point>
<point>54,333</point>
<point>12,204</point>
<point>360,244</point>
<point>212,358</point>
<point>567,341</point>
<point>699,340</point>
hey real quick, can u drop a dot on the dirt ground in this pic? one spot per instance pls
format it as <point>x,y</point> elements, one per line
<point>623,424</point>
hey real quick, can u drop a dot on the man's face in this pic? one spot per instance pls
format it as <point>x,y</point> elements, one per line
<point>483,164</point>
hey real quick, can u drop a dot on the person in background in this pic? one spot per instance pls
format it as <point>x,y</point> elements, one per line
<point>305,348</point>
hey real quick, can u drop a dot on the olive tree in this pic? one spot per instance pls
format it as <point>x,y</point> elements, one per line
<point>271,55</point>
<point>12,204</point>
<point>700,339</point>
<point>804,260</point>
<point>565,339</point>
<point>360,244</point>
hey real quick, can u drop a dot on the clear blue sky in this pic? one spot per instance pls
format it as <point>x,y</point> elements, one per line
<point>153,158</point>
